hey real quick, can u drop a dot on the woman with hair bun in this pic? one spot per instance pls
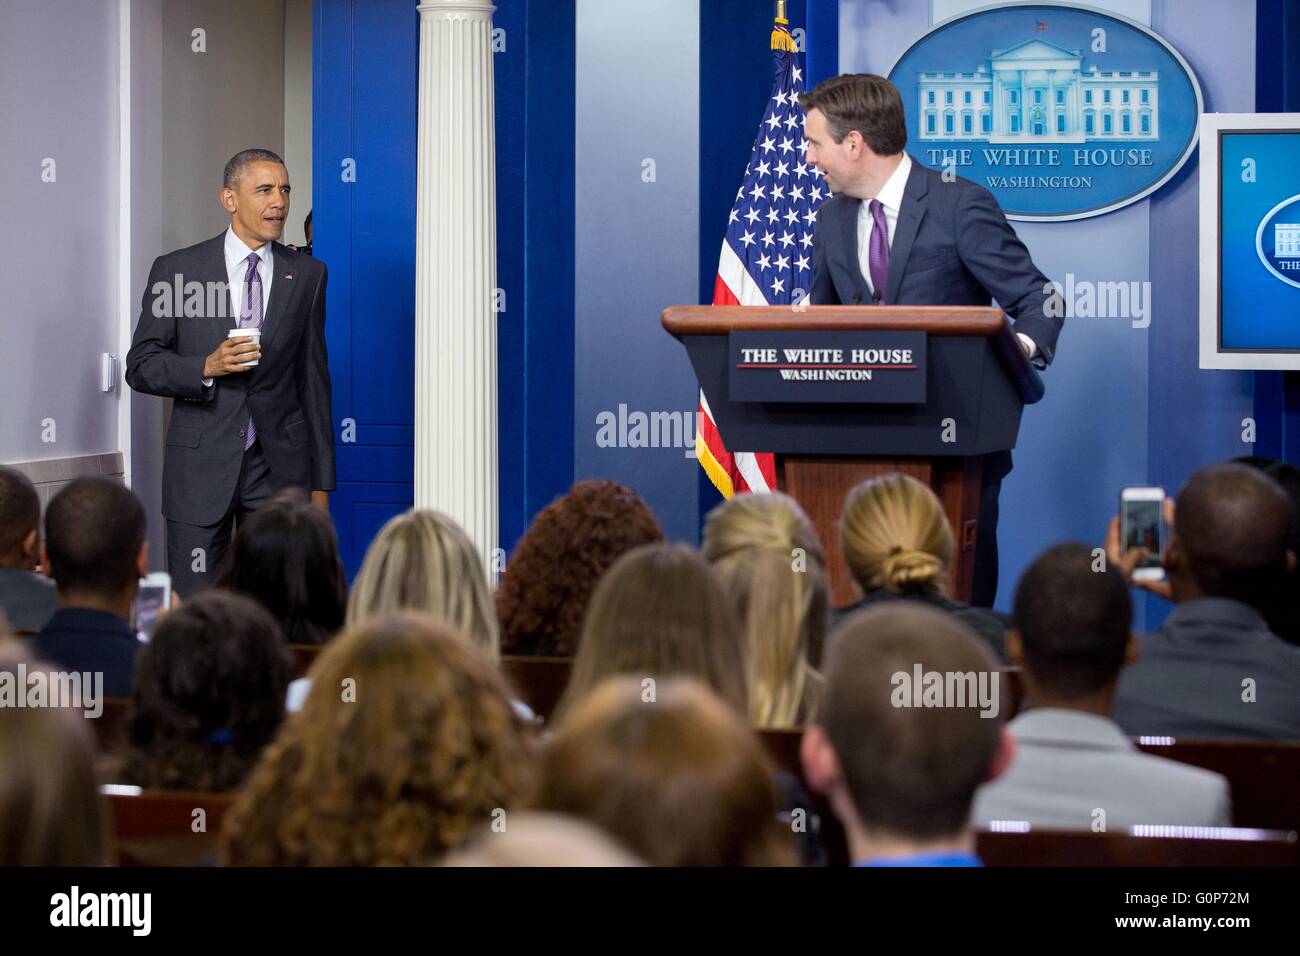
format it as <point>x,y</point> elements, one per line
<point>897,544</point>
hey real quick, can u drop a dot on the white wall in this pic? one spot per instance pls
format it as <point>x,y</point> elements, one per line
<point>58,251</point>
<point>297,112</point>
<point>190,112</point>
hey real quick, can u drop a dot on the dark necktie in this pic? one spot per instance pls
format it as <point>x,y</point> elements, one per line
<point>250,317</point>
<point>878,251</point>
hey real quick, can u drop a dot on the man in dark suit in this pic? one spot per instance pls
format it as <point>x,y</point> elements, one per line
<point>1214,669</point>
<point>252,413</point>
<point>96,551</point>
<point>897,233</point>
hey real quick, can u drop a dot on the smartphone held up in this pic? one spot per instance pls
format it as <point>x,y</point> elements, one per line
<point>1142,526</point>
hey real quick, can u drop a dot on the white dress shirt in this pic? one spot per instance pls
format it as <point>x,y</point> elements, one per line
<point>891,200</point>
<point>237,254</point>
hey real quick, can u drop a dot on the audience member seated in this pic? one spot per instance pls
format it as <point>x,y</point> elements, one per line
<point>549,579</point>
<point>897,544</point>
<point>669,770</point>
<point>27,598</point>
<point>769,562</point>
<point>406,743</point>
<point>1214,669</point>
<point>424,561</point>
<point>659,613</point>
<point>1281,609</point>
<point>898,763</point>
<point>51,813</point>
<point>542,840</point>
<point>209,695</point>
<point>1073,767</point>
<point>285,556</point>
<point>96,552</point>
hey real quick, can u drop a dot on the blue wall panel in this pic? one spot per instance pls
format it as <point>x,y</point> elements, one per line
<point>546,451</point>
<point>365,109</point>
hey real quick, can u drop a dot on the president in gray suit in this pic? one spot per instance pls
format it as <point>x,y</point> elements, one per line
<point>252,412</point>
<point>1073,766</point>
<point>897,233</point>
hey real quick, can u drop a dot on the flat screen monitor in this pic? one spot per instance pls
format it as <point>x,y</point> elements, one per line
<point>1250,240</point>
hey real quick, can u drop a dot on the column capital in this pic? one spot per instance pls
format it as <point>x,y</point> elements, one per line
<point>435,7</point>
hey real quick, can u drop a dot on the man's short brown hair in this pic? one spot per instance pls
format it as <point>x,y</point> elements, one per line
<point>909,771</point>
<point>864,102</point>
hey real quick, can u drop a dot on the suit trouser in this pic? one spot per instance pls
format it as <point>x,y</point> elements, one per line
<point>984,586</point>
<point>195,552</point>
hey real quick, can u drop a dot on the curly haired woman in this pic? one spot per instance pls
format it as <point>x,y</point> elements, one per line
<point>406,742</point>
<point>209,695</point>
<point>570,544</point>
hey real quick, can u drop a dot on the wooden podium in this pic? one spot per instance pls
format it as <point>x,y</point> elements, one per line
<point>977,381</point>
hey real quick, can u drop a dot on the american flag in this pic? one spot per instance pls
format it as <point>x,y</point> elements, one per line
<point>766,256</point>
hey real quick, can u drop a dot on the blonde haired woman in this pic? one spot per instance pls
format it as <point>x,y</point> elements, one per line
<point>768,559</point>
<point>897,544</point>
<point>423,561</point>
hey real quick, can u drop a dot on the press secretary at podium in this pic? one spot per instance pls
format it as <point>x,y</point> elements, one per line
<point>898,233</point>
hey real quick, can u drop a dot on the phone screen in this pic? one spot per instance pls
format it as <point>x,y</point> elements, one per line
<point>148,606</point>
<point>1141,520</point>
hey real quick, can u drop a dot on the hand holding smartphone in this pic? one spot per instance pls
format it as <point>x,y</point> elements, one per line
<point>1142,526</point>
<point>152,600</point>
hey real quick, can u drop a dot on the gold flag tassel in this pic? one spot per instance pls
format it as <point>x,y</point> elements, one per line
<point>781,39</point>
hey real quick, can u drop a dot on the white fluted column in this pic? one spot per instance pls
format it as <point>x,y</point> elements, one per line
<point>455,271</point>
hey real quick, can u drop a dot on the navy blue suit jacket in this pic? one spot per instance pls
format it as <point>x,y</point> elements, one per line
<point>952,246</point>
<point>85,639</point>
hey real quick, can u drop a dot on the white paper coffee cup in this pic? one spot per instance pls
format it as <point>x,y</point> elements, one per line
<point>254,334</point>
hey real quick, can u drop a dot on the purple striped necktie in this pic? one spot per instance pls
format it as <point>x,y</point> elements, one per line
<point>250,317</point>
<point>878,251</point>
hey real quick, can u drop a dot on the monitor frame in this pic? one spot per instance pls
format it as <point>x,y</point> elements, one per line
<point>1213,126</point>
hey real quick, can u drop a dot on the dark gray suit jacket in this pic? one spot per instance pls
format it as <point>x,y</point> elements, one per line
<point>28,599</point>
<point>952,246</point>
<point>288,393</point>
<point>1188,678</point>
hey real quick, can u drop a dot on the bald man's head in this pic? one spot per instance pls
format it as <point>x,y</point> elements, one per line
<point>1231,525</point>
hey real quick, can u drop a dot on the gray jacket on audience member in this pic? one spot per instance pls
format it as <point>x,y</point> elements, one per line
<point>28,599</point>
<point>1069,764</point>
<point>1213,670</point>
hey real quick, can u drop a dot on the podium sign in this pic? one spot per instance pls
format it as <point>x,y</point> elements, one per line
<point>875,367</point>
